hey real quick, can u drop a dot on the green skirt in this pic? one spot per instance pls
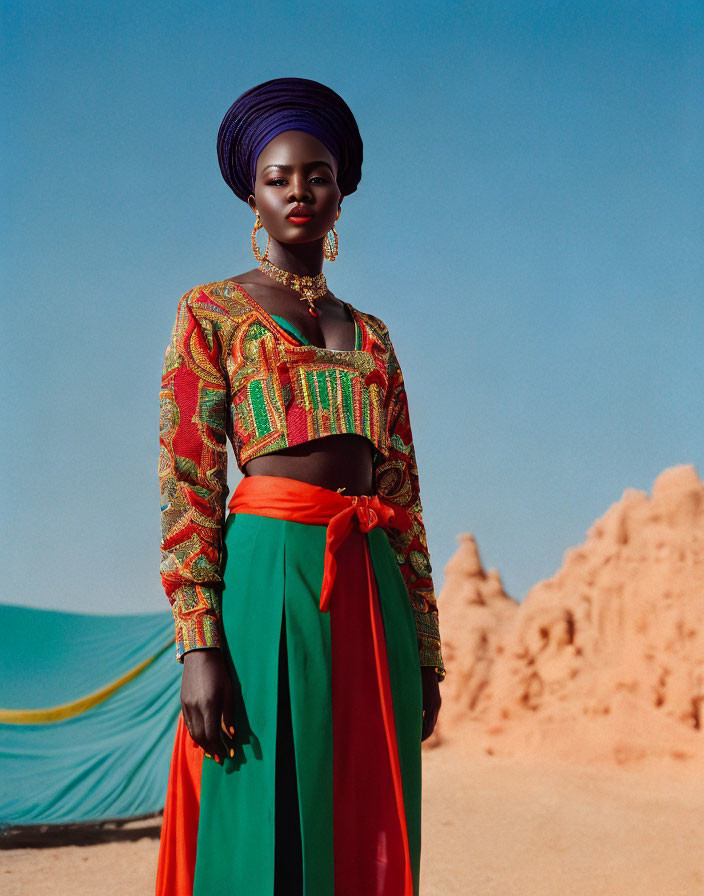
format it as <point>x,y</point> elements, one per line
<point>297,810</point>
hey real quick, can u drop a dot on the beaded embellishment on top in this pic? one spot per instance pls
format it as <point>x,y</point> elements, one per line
<point>232,371</point>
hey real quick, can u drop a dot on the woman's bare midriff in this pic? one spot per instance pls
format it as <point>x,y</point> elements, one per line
<point>334,462</point>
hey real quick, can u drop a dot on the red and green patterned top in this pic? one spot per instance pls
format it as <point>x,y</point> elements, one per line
<point>233,371</point>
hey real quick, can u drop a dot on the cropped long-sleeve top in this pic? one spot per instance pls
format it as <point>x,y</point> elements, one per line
<point>233,371</point>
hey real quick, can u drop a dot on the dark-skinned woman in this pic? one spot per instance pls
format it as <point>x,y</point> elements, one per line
<point>306,619</point>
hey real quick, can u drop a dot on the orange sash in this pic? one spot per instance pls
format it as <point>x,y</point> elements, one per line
<point>293,499</point>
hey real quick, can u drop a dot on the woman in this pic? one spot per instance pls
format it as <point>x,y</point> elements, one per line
<point>302,616</point>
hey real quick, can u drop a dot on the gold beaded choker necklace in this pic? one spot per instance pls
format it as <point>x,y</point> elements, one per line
<point>310,288</point>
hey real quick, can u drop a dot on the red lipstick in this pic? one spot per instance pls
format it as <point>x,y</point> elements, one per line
<point>299,214</point>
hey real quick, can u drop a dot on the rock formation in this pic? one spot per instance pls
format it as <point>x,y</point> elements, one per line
<point>605,660</point>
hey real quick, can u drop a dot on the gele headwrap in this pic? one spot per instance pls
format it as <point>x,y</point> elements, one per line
<point>283,104</point>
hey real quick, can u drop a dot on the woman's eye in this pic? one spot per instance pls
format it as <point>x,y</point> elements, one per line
<point>280,180</point>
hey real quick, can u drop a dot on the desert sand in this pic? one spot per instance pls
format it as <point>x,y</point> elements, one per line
<point>492,826</point>
<point>568,758</point>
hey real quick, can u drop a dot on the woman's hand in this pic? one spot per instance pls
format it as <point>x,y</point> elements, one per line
<point>431,700</point>
<point>206,700</point>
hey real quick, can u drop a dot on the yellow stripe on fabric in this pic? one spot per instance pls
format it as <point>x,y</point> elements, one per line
<point>76,707</point>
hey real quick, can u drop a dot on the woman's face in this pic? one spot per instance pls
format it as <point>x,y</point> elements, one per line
<point>296,169</point>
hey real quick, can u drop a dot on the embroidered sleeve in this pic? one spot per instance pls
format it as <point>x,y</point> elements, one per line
<point>396,478</point>
<point>193,474</point>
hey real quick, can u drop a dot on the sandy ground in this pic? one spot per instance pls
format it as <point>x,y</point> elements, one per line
<point>510,827</point>
<point>491,827</point>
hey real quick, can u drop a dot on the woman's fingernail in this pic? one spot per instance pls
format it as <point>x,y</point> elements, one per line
<point>208,755</point>
<point>232,730</point>
<point>217,758</point>
<point>232,752</point>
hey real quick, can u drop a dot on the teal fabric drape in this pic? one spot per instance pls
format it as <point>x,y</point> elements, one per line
<point>108,761</point>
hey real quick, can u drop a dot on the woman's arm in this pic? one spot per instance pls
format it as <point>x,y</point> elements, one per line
<point>396,478</point>
<point>193,479</point>
<point>193,473</point>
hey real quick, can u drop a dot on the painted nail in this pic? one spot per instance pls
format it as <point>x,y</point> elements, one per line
<point>232,730</point>
<point>232,752</point>
<point>208,755</point>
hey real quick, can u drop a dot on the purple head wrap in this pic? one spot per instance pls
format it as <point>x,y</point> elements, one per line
<point>284,104</point>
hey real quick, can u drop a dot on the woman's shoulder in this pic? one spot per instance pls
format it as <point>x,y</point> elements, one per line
<point>373,321</point>
<point>381,334</point>
<point>217,300</point>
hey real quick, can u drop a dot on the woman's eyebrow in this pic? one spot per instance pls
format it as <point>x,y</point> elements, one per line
<point>307,165</point>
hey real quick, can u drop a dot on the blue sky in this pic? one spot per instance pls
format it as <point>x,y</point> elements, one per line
<point>528,225</point>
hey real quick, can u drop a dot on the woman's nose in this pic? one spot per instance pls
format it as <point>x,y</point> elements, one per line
<point>299,188</point>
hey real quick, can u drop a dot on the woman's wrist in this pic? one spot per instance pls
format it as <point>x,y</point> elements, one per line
<point>433,672</point>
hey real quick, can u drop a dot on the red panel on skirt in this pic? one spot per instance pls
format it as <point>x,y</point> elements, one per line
<point>179,829</point>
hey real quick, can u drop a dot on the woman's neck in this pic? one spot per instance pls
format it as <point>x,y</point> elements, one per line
<point>303,259</point>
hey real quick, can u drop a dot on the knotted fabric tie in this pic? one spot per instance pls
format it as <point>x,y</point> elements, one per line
<point>370,512</point>
<point>292,499</point>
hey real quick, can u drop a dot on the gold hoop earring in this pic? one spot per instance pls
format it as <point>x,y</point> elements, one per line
<point>330,248</point>
<point>255,248</point>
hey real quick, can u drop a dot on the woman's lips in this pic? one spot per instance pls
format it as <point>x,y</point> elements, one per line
<point>299,214</point>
